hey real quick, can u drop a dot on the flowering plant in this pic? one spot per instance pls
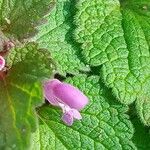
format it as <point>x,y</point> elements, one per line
<point>74,75</point>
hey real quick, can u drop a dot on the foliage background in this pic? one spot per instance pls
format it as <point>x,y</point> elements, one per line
<point>100,46</point>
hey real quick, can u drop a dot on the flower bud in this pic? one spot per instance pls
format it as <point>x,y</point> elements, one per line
<point>2,63</point>
<point>66,96</point>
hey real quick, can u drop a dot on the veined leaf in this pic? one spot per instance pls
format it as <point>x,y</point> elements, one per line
<point>116,40</point>
<point>32,57</point>
<point>20,92</point>
<point>56,36</point>
<point>17,119</point>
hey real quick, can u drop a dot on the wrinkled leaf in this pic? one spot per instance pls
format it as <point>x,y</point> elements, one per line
<point>114,38</point>
<point>56,36</point>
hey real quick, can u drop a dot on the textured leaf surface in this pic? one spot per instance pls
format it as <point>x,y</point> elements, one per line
<point>32,57</point>
<point>56,37</point>
<point>116,40</point>
<point>19,17</point>
<point>136,36</point>
<point>17,119</point>
<point>20,92</point>
<point>104,126</point>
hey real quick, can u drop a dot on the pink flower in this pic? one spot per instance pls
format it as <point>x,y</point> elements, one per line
<point>2,63</point>
<point>70,99</point>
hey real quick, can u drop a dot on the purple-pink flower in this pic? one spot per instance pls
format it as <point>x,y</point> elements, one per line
<point>2,63</point>
<point>70,99</point>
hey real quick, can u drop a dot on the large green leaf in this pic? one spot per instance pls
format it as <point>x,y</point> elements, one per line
<point>19,17</point>
<point>116,40</point>
<point>20,92</point>
<point>105,124</point>
<point>17,119</point>
<point>137,39</point>
<point>56,36</point>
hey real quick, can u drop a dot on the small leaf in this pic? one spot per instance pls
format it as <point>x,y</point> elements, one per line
<point>37,63</point>
<point>19,17</point>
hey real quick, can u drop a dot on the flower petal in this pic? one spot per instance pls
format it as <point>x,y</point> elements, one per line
<point>76,114</point>
<point>48,91</point>
<point>70,95</point>
<point>68,118</point>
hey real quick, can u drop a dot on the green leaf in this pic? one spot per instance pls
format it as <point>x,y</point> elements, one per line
<point>100,31</point>
<point>37,63</point>
<point>56,36</point>
<point>17,119</point>
<point>140,56</point>
<point>137,27</point>
<point>141,136</point>
<point>105,124</point>
<point>19,17</point>
<point>3,40</point>
<point>20,92</point>
<point>116,40</point>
